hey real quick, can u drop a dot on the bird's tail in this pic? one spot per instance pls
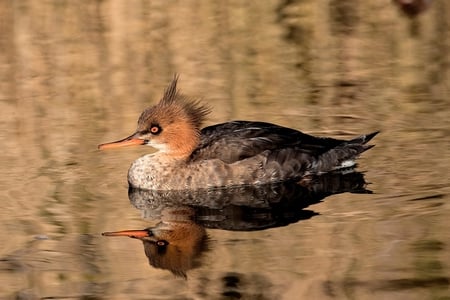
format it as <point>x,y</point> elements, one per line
<point>363,139</point>
<point>344,155</point>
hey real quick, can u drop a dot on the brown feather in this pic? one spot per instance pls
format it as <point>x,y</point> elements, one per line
<point>175,106</point>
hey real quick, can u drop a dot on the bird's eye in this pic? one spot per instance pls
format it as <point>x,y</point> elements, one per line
<point>155,129</point>
<point>161,243</point>
<point>161,246</point>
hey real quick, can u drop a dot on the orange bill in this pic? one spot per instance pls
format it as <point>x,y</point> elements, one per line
<point>129,141</point>
<point>137,234</point>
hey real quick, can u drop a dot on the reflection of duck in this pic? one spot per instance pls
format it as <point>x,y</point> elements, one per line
<point>227,154</point>
<point>250,207</point>
<point>175,243</point>
<point>413,7</point>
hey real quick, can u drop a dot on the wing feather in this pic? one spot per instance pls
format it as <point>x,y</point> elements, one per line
<point>238,140</point>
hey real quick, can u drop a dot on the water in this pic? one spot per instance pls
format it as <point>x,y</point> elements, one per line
<point>76,74</point>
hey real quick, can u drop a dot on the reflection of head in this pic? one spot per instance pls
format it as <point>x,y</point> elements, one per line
<point>178,248</point>
<point>175,243</point>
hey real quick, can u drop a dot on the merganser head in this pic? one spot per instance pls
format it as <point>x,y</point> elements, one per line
<point>172,126</point>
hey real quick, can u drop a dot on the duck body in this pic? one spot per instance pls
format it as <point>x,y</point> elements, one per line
<point>227,154</point>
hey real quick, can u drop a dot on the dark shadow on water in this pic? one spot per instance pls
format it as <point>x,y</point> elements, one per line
<point>177,242</point>
<point>250,207</point>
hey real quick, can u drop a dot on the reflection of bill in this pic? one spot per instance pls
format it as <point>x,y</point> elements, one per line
<point>174,244</point>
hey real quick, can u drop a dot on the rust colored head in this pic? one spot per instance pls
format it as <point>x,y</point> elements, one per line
<point>172,126</point>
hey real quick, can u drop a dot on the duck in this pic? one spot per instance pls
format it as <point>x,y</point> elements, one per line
<point>228,154</point>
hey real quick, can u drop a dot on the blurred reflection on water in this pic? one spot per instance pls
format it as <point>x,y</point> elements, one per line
<point>74,74</point>
<point>178,240</point>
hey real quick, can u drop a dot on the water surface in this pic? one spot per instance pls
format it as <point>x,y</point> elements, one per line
<point>76,74</point>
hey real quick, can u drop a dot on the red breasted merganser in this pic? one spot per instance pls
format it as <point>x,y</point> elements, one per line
<point>227,154</point>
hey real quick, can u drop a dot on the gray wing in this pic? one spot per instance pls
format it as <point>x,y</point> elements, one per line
<point>238,140</point>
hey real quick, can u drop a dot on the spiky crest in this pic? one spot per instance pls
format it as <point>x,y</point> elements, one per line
<point>173,103</point>
<point>171,92</point>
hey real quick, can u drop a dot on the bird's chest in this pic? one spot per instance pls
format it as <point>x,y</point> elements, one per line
<point>148,172</point>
